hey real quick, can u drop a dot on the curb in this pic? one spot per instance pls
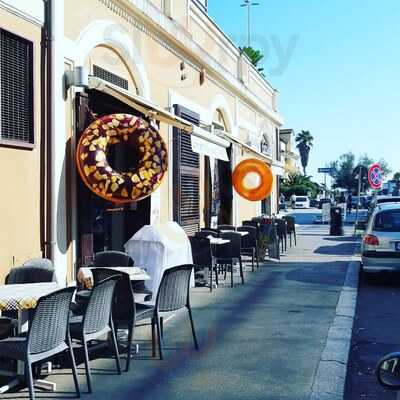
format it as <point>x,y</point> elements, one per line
<point>330,377</point>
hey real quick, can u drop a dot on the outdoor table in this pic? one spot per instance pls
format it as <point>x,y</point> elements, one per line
<point>217,241</point>
<point>242,233</point>
<point>135,274</point>
<point>23,298</point>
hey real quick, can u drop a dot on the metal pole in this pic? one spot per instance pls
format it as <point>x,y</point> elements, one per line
<point>358,199</point>
<point>325,184</point>
<point>248,26</point>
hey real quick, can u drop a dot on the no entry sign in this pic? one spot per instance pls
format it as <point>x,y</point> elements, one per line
<point>375,177</point>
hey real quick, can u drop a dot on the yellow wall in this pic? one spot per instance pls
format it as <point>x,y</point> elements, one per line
<point>20,188</point>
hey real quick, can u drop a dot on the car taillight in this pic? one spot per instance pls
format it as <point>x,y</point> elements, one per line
<point>371,240</point>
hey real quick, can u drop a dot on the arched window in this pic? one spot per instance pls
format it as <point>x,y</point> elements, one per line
<point>265,145</point>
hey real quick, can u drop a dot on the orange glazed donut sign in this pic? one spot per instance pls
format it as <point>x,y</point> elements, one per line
<point>101,178</point>
<point>253,179</point>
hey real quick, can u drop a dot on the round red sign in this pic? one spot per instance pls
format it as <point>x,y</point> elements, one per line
<point>375,176</point>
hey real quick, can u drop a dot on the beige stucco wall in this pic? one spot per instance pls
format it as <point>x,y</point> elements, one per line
<point>164,75</point>
<point>20,189</point>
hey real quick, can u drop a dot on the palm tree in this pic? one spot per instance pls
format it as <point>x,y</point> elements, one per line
<point>254,55</point>
<point>304,141</point>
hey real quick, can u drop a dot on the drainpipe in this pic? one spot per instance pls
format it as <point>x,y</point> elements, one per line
<point>49,147</point>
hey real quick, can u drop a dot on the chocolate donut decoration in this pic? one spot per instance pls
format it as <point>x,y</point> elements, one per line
<point>116,186</point>
<point>253,179</point>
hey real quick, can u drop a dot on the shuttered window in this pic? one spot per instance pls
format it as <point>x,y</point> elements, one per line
<point>16,89</point>
<point>110,77</point>
<point>186,176</point>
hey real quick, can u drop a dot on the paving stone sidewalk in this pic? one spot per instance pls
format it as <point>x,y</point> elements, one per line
<point>260,340</point>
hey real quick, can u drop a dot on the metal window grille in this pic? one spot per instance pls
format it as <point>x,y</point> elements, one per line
<point>16,88</point>
<point>110,77</point>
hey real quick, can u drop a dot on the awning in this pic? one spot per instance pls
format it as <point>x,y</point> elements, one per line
<point>210,149</point>
<point>140,104</point>
<point>246,147</point>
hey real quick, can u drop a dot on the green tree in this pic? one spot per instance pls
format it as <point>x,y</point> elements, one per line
<point>255,56</point>
<point>342,172</point>
<point>299,185</point>
<point>304,141</point>
<point>396,178</point>
<point>386,170</point>
<point>345,167</point>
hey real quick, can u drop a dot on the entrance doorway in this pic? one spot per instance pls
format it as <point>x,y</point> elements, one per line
<point>103,225</point>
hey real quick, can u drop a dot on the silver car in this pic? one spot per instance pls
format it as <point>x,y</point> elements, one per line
<point>381,242</point>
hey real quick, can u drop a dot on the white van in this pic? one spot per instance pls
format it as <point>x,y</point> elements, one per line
<point>302,202</point>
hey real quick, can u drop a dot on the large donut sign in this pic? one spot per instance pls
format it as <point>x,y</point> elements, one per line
<point>375,176</point>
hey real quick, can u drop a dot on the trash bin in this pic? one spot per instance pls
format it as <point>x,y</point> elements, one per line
<point>336,228</point>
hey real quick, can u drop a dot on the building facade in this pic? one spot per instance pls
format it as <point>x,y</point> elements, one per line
<point>132,56</point>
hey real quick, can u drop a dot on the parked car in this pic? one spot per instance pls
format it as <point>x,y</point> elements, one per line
<point>325,200</point>
<point>380,247</point>
<point>379,200</point>
<point>302,202</point>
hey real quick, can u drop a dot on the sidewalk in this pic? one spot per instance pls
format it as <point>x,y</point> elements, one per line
<point>261,340</point>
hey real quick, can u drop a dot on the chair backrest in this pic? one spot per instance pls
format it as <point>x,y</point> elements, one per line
<point>112,259</point>
<point>173,292</point>
<point>226,228</point>
<point>98,310</point>
<point>206,233</point>
<point>201,251</point>
<point>124,299</point>
<point>39,262</point>
<point>255,224</point>
<point>49,325</point>
<point>249,240</point>
<point>235,242</point>
<point>30,274</point>
<point>281,226</point>
<point>291,223</point>
<point>210,229</point>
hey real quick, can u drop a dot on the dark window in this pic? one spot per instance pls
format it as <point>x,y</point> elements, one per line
<point>16,88</point>
<point>387,221</point>
<point>110,77</point>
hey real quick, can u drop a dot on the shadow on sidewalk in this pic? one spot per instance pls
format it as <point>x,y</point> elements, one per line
<point>343,249</point>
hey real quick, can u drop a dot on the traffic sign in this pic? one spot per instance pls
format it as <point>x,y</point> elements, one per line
<point>325,170</point>
<point>375,176</point>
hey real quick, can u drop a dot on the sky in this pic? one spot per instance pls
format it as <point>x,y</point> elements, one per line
<point>336,64</point>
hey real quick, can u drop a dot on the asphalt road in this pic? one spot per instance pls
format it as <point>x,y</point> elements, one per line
<point>376,332</point>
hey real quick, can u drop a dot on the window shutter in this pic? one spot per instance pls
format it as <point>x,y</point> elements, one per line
<point>186,176</point>
<point>16,88</point>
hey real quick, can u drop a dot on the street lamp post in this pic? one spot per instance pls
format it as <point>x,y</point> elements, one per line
<point>248,4</point>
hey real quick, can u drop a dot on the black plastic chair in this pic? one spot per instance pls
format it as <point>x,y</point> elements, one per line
<point>281,228</point>
<point>172,295</point>
<point>125,312</point>
<point>249,244</point>
<point>227,253</point>
<point>17,275</point>
<point>112,259</point>
<point>291,228</point>
<point>48,335</point>
<point>226,228</point>
<point>202,256</point>
<point>96,321</point>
